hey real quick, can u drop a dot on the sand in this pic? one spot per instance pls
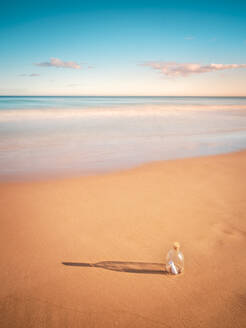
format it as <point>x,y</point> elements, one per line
<point>114,230</point>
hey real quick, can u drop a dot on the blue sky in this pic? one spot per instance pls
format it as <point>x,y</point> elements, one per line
<point>123,48</point>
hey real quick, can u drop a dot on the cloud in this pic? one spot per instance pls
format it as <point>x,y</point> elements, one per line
<point>174,69</point>
<point>30,75</point>
<point>56,62</point>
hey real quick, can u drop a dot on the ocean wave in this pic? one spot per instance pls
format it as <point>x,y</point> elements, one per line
<point>122,111</point>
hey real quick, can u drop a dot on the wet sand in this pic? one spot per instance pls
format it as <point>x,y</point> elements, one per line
<point>90,251</point>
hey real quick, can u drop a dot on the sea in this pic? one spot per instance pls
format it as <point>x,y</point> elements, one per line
<point>65,136</point>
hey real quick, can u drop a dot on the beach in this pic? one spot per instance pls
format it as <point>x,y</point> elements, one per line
<point>89,251</point>
<point>123,164</point>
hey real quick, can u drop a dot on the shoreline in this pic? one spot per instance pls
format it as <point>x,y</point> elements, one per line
<point>44,177</point>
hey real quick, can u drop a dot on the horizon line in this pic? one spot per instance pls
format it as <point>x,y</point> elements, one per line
<point>219,96</point>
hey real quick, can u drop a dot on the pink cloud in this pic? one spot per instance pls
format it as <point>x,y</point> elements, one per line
<point>174,69</point>
<point>56,62</point>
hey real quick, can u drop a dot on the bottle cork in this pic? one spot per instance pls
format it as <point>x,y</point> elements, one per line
<point>176,246</point>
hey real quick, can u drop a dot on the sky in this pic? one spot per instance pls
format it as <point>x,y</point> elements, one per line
<point>166,48</point>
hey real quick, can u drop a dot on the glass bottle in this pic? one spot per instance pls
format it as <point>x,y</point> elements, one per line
<point>175,260</point>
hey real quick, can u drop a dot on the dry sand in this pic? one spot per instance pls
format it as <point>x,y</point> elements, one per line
<point>126,222</point>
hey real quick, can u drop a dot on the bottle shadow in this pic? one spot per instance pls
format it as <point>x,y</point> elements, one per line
<point>130,267</point>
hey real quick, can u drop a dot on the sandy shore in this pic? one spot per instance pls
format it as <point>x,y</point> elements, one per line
<point>124,223</point>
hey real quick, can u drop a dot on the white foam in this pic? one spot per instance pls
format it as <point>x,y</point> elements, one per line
<point>50,141</point>
<point>121,111</point>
